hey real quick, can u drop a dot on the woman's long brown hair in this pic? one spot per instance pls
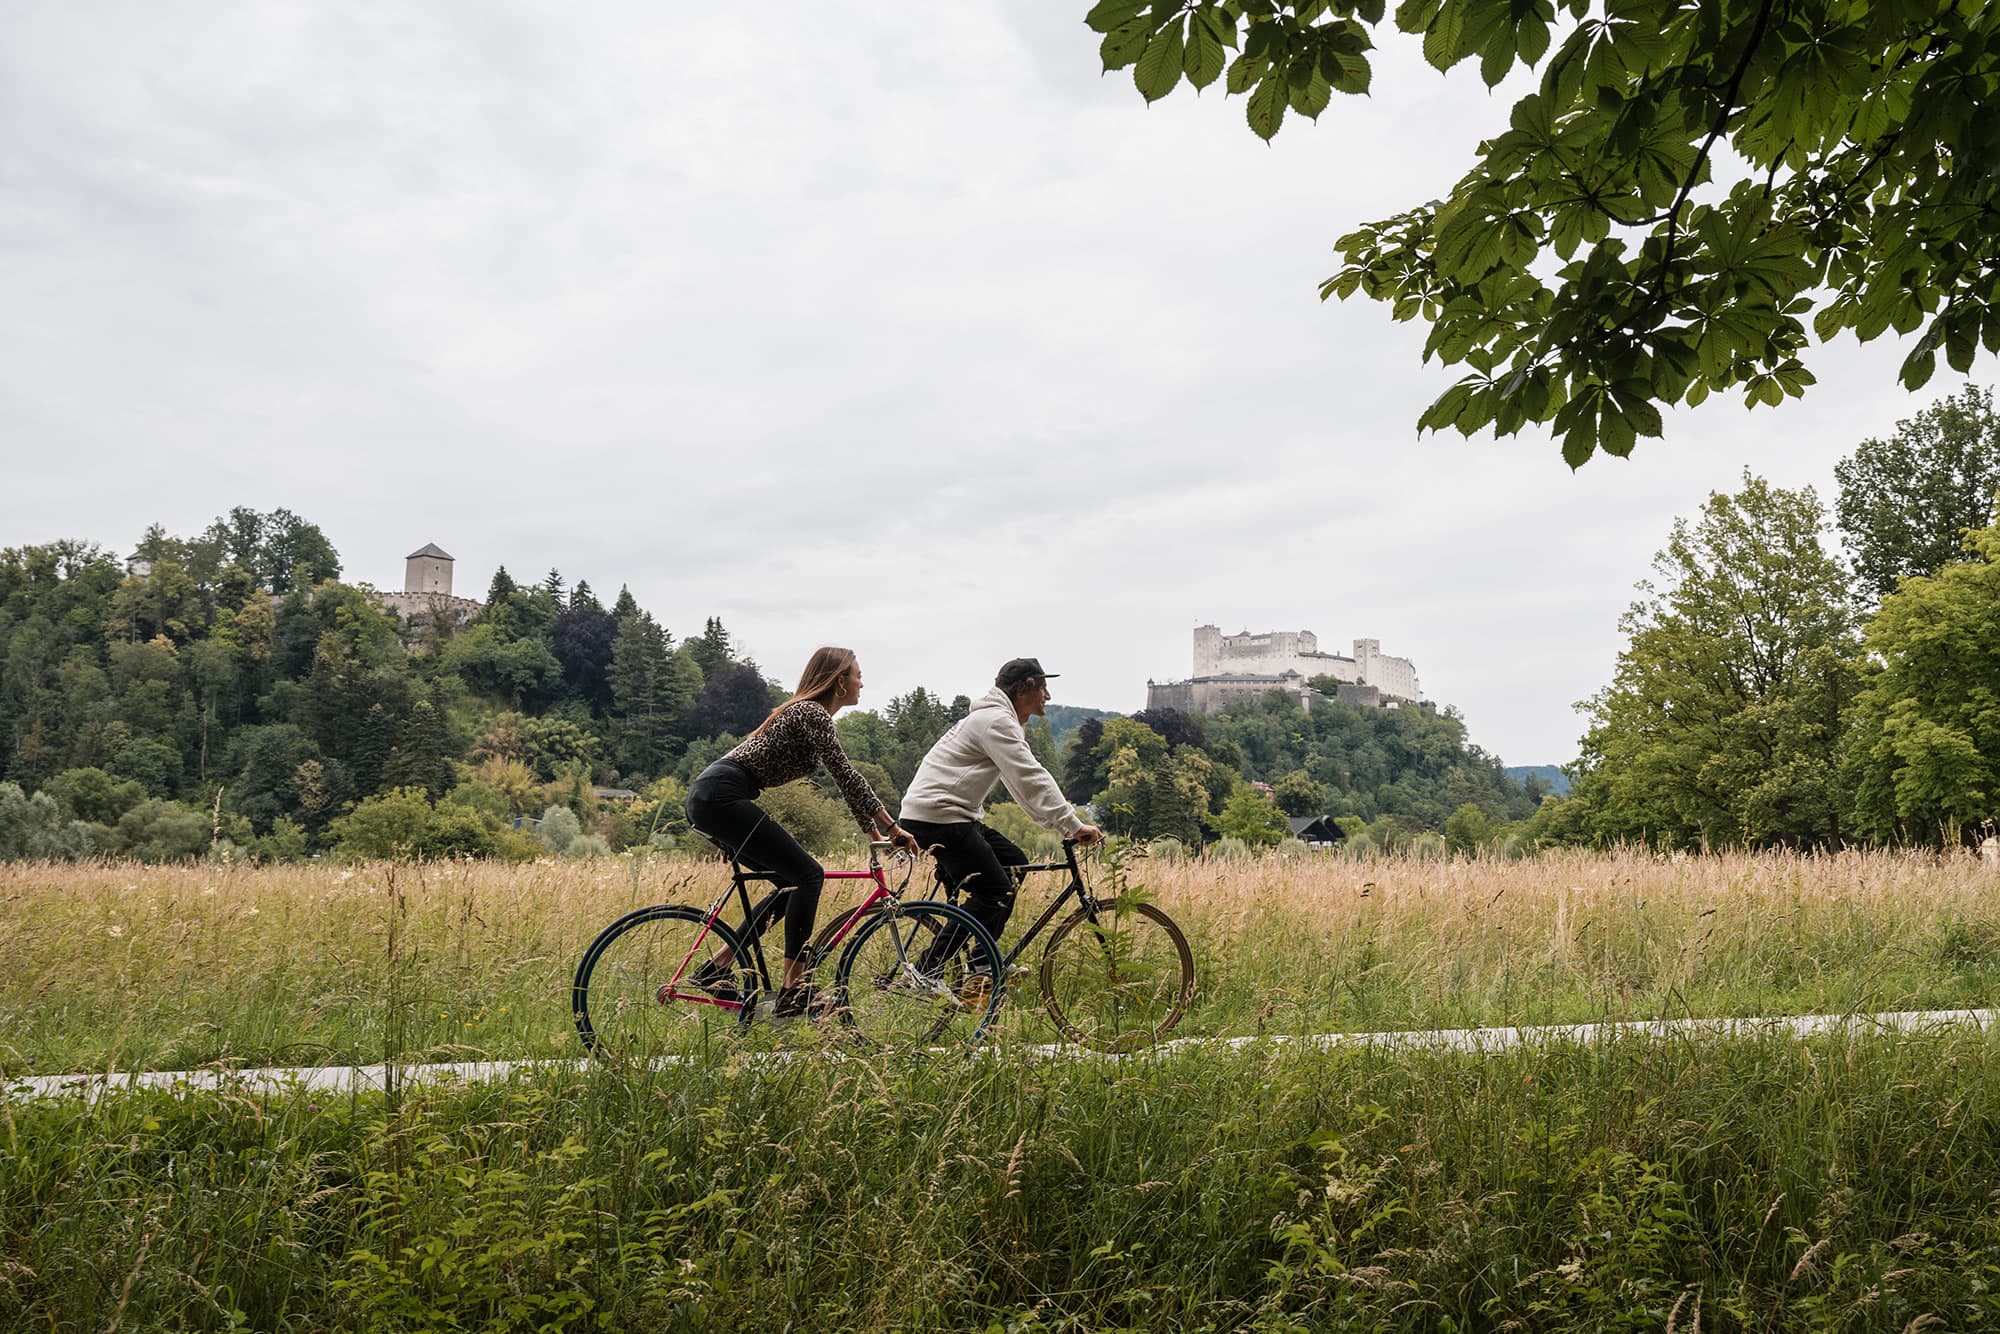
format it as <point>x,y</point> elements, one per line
<point>825,670</point>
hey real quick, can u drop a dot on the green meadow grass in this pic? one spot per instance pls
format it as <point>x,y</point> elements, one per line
<point>132,967</point>
<point>1833,1184</point>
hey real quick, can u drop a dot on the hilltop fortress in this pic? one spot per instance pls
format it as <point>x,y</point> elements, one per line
<point>1230,667</point>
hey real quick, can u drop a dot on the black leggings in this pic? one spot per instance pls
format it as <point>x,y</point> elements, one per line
<point>722,804</point>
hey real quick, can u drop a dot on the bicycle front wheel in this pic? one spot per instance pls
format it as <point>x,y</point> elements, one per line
<point>1118,978</point>
<point>636,999</point>
<point>917,975</point>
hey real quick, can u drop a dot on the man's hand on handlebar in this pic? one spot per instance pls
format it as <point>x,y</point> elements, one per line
<point>1088,834</point>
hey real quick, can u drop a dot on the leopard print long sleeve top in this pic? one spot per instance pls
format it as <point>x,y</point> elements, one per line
<point>796,742</point>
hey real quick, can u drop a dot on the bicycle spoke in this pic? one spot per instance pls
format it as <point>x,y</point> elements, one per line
<point>898,990</point>
<point>638,996</point>
<point>1119,979</point>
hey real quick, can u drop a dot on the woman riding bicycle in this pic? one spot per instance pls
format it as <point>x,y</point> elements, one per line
<point>797,738</point>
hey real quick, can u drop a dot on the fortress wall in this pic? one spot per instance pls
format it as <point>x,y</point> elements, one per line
<point>1279,651</point>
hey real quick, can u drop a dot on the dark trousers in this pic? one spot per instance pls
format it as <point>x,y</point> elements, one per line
<point>979,863</point>
<point>722,804</point>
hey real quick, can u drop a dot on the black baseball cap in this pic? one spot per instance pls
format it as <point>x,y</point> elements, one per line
<point>1015,671</point>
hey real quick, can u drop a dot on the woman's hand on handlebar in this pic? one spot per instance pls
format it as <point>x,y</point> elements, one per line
<point>905,841</point>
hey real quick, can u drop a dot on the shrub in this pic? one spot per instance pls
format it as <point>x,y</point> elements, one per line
<point>36,827</point>
<point>482,799</point>
<point>390,825</point>
<point>1229,850</point>
<point>285,843</point>
<point>94,796</point>
<point>560,828</point>
<point>1250,817</point>
<point>1468,829</point>
<point>164,831</point>
<point>403,823</point>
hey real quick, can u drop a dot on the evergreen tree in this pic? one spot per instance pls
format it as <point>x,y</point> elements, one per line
<point>501,588</point>
<point>1178,797</point>
<point>368,754</point>
<point>711,648</point>
<point>1079,771</point>
<point>651,688</point>
<point>582,638</point>
<point>421,757</point>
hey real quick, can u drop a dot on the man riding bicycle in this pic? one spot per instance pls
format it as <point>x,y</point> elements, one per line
<point>947,797</point>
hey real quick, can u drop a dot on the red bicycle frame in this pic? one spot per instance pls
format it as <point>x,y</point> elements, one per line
<point>822,949</point>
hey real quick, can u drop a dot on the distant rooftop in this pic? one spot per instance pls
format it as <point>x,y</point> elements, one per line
<point>431,549</point>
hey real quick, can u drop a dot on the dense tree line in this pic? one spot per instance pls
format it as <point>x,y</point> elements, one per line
<point>229,692</point>
<point>1772,694</point>
<point>1387,776</point>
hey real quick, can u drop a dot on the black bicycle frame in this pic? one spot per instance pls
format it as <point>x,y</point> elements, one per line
<point>1075,889</point>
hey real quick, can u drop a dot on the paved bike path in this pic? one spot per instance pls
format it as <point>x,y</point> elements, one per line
<point>352,1079</point>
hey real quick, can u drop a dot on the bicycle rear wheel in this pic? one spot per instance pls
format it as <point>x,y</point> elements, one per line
<point>1118,979</point>
<point>620,999</point>
<point>917,975</point>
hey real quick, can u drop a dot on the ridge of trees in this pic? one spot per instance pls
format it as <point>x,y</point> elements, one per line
<point>231,691</point>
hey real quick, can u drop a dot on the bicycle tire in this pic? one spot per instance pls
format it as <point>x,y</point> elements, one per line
<point>615,998</point>
<point>1124,980</point>
<point>886,1001</point>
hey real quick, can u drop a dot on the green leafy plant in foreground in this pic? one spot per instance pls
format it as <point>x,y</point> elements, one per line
<point>1758,1185</point>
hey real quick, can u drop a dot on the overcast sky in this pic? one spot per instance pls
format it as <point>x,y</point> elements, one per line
<point>884,324</point>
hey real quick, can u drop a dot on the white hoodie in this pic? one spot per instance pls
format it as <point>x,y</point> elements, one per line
<point>987,744</point>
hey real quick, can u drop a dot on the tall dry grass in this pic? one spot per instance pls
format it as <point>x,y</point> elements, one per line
<point>167,967</point>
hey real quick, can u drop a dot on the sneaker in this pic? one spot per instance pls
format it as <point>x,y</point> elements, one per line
<point>909,980</point>
<point>718,980</point>
<point>792,1003</point>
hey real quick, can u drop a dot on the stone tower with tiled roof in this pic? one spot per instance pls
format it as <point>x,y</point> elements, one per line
<point>428,571</point>
<point>426,597</point>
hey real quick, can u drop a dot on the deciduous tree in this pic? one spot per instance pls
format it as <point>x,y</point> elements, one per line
<point>1723,717</point>
<point>1906,503</point>
<point>1924,755</point>
<point>1597,262</point>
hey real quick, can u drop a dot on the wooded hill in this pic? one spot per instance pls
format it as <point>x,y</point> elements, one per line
<point>230,692</point>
